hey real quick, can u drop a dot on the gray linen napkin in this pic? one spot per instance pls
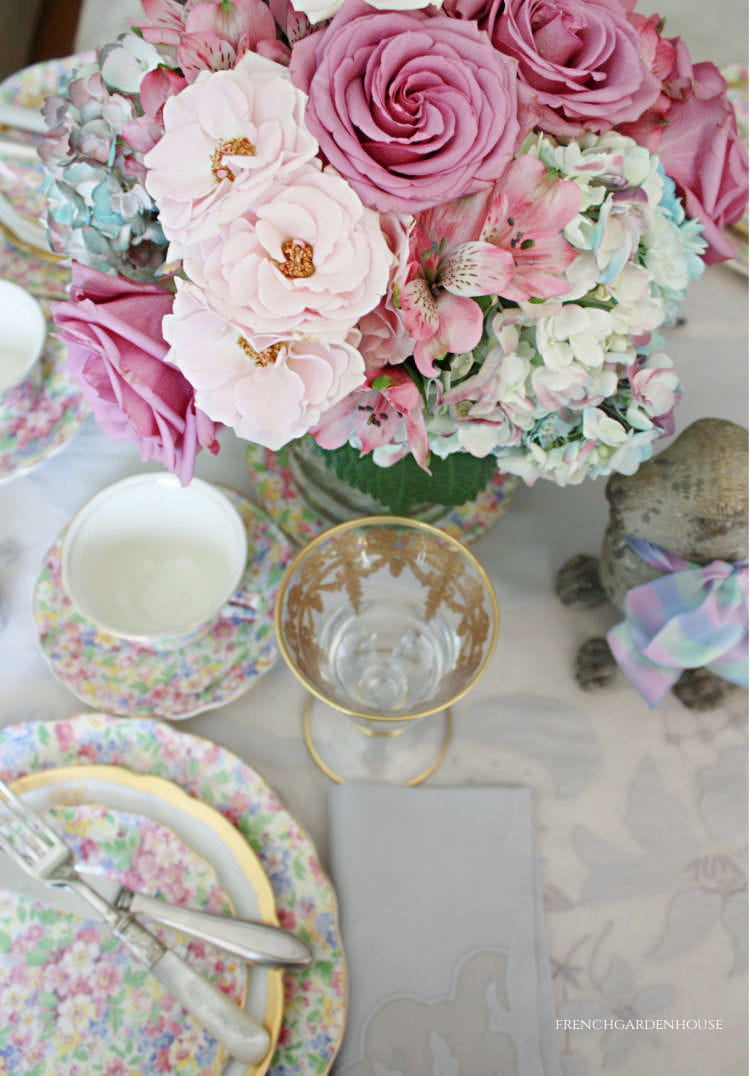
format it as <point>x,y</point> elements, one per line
<point>441,918</point>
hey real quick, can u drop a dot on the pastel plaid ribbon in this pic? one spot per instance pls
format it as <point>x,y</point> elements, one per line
<point>693,616</point>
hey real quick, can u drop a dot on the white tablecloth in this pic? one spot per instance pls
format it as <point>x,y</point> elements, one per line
<point>640,815</point>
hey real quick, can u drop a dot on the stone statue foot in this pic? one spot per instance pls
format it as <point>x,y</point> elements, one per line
<point>577,583</point>
<point>699,689</point>
<point>596,668</point>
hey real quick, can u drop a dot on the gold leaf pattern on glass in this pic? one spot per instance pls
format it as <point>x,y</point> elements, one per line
<point>449,585</point>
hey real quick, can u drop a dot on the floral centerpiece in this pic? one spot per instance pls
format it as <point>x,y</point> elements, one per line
<point>434,236</point>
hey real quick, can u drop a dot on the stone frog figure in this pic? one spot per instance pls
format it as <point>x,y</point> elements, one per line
<point>691,503</point>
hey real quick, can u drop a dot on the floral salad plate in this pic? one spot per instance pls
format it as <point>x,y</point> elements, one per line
<point>314,1000</point>
<point>71,990</point>
<point>125,678</point>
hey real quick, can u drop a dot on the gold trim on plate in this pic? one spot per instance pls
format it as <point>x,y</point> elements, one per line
<point>244,856</point>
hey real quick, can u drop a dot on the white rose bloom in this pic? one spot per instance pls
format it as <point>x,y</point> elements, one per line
<point>320,10</point>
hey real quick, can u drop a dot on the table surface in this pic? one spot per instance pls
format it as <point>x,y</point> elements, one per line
<point>639,814</point>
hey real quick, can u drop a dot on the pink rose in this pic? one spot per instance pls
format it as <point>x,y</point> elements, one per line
<point>309,258</point>
<point>112,328</point>
<point>226,139</point>
<point>412,110</point>
<point>269,389</point>
<point>694,133</point>
<point>579,60</point>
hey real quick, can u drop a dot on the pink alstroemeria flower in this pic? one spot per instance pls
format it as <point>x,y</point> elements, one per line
<point>528,210</point>
<point>448,267</point>
<point>212,35</point>
<point>507,242</point>
<point>385,410</point>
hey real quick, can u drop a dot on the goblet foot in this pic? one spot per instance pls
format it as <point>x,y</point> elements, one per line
<point>356,749</point>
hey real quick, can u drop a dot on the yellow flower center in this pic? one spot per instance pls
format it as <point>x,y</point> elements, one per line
<point>233,147</point>
<point>261,358</point>
<point>298,259</point>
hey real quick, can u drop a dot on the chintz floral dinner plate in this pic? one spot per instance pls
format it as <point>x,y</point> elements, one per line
<point>72,999</point>
<point>315,997</point>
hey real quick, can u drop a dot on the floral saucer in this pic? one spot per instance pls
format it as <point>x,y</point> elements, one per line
<point>128,679</point>
<point>69,988</point>
<point>38,420</point>
<point>275,489</point>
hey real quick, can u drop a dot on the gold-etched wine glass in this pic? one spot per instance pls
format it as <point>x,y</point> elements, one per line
<point>387,622</point>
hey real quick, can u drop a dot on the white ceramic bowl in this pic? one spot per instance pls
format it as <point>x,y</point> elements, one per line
<point>23,331</point>
<point>154,562</point>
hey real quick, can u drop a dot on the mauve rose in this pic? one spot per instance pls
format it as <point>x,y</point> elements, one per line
<point>694,134</point>
<point>112,329</point>
<point>578,60</point>
<point>412,110</point>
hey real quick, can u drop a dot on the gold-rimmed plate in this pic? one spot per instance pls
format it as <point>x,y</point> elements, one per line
<point>146,832</point>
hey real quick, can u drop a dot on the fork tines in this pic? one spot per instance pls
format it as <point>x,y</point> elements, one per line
<point>23,833</point>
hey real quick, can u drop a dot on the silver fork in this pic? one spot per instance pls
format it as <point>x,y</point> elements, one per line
<point>35,847</point>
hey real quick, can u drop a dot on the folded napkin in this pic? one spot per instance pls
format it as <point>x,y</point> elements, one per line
<point>442,926</point>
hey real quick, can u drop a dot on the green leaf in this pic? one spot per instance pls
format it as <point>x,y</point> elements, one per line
<point>382,382</point>
<point>324,968</point>
<point>404,486</point>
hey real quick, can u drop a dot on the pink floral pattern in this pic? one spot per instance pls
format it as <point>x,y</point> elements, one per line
<point>315,999</point>
<point>68,986</point>
<point>207,672</point>
<point>38,419</point>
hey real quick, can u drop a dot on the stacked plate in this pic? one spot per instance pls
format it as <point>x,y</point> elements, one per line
<point>174,816</point>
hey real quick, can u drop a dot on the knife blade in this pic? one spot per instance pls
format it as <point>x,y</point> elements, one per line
<point>257,943</point>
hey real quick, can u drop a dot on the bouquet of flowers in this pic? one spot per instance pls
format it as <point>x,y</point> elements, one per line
<point>424,233</point>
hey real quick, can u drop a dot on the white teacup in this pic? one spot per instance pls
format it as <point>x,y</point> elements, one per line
<point>23,331</point>
<point>154,562</point>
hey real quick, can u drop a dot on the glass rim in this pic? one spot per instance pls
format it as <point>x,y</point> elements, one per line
<point>409,524</point>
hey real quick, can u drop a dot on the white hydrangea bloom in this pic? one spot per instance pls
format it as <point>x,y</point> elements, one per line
<point>125,62</point>
<point>577,335</point>
<point>667,259</point>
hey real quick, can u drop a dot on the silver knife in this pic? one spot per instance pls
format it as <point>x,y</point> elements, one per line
<point>257,943</point>
<point>235,1028</point>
